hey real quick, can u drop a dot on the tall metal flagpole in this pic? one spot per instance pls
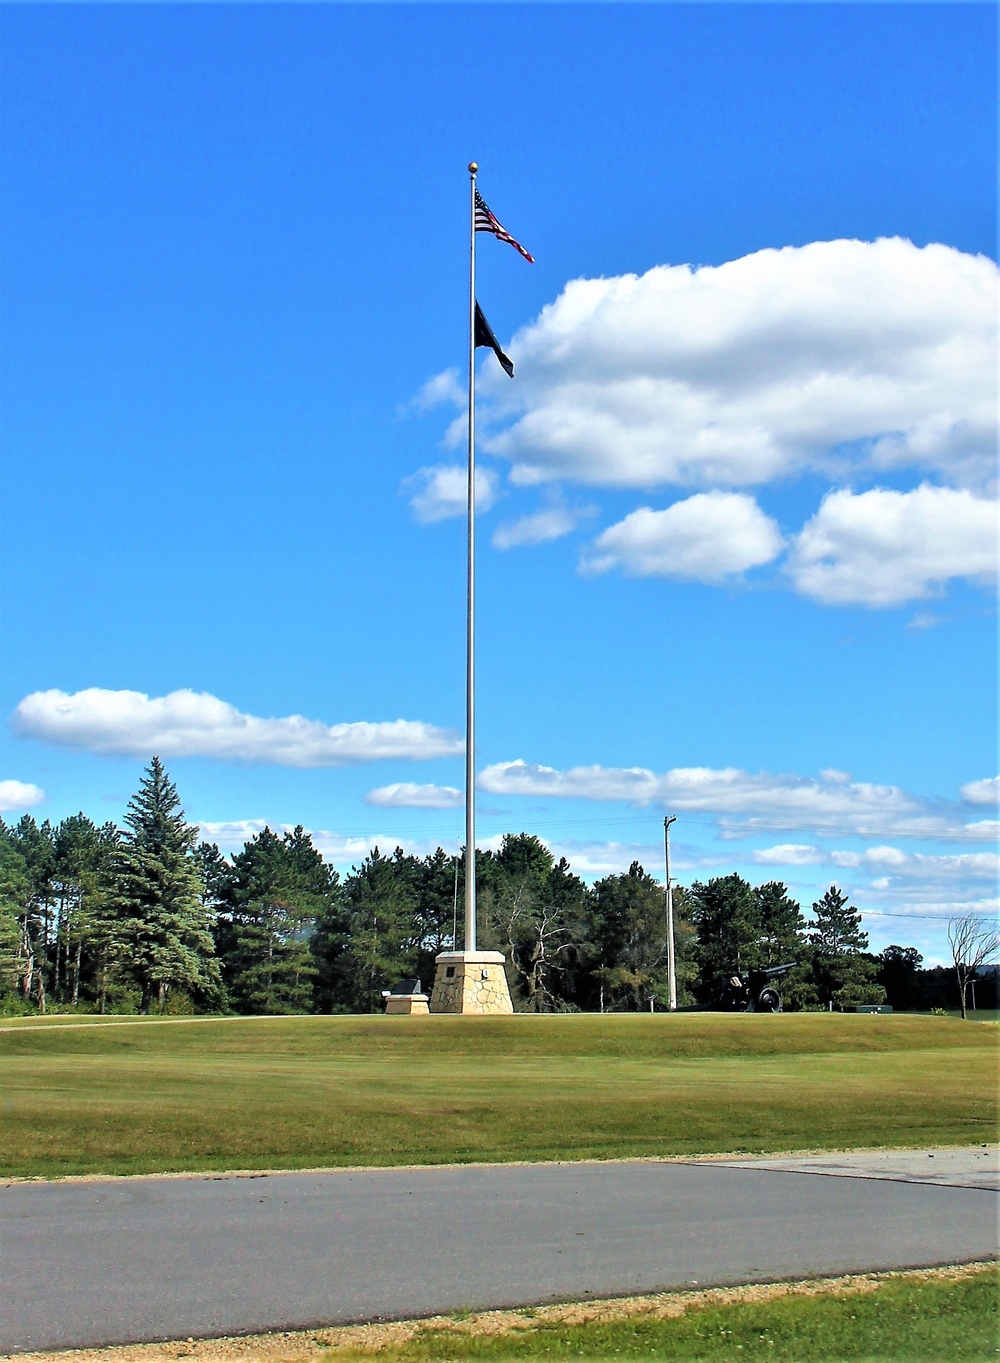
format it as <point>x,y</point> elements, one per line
<point>470,655</point>
<point>671,965</point>
<point>471,981</point>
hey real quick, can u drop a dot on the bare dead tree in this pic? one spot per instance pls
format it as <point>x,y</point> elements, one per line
<point>536,935</point>
<point>974,942</point>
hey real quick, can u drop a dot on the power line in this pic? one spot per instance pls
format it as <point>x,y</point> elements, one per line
<point>724,824</point>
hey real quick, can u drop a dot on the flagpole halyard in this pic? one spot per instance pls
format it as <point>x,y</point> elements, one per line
<point>470,657</point>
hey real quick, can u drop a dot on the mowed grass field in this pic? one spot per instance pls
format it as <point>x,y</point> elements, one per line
<point>145,1096</point>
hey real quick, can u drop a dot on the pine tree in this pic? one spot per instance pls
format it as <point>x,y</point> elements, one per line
<point>98,919</point>
<point>781,941</point>
<point>160,927</point>
<point>780,924</point>
<point>726,913</point>
<point>439,888</point>
<point>83,856</point>
<point>15,893</point>
<point>534,905</point>
<point>213,872</point>
<point>381,934</point>
<point>841,973</point>
<point>628,935</point>
<point>275,892</point>
<point>36,846</point>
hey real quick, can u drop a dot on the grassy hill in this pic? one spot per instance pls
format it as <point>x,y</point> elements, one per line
<point>142,1096</point>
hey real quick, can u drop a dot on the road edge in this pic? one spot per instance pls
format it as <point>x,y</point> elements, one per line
<point>290,1346</point>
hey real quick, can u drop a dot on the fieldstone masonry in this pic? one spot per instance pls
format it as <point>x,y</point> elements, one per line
<point>470,982</point>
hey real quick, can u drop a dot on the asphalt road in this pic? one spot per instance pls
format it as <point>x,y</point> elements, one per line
<point>122,1261</point>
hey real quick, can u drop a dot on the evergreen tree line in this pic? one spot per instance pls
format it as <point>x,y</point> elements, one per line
<point>147,919</point>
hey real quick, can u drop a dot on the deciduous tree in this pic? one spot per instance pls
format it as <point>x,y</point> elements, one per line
<point>536,904</point>
<point>974,942</point>
<point>898,974</point>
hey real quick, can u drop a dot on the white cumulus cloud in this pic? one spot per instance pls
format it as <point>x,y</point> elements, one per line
<point>905,901</point>
<point>833,355</point>
<point>923,620</point>
<point>196,724</point>
<point>441,492</point>
<point>551,523</point>
<point>788,854</point>
<point>707,537</point>
<point>591,860</point>
<point>19,795</point>
<point>923,866</point>
<point>985,792</point>
<point>408,795</point>
<point>442,389</point>
<point>746,802</point>
<point>881,548</point>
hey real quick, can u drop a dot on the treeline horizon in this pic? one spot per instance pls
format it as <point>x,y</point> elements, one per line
<point>146,918</point>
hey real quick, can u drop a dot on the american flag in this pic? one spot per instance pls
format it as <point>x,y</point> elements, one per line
<point>486,222</point>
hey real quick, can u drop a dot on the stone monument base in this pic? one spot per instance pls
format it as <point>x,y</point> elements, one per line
<point>415,1004</point>
<point>470,982</point>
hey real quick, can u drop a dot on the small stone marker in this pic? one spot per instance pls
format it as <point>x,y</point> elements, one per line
<point>470,982</point>
<point>406,997</point>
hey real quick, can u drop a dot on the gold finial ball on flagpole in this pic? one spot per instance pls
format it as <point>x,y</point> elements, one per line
<point>473,167</point>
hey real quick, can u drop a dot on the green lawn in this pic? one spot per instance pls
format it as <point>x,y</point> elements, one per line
<point>903,1320</point>
<point>147,1096</point>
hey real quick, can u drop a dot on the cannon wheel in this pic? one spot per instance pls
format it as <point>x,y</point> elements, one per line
<point>769,1001</point>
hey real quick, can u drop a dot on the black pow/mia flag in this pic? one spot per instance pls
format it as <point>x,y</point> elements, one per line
<point>485,337</point>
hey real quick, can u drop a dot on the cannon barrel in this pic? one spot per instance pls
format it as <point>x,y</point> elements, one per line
<point>774,972</point>
<point>751,991</point>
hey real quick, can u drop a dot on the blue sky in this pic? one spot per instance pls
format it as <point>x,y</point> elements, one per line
<point>738,525</point>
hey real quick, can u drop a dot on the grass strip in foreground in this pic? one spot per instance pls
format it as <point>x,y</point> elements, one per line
<point>905,1319</point>
<point>147,1096</point>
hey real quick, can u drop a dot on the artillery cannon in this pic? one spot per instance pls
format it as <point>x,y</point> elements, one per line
<point>754,992</point>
